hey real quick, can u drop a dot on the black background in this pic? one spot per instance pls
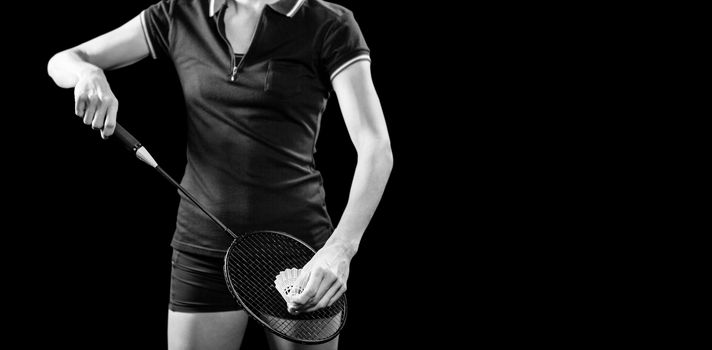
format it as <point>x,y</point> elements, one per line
<point>90,226</point>
<point>516,181</point>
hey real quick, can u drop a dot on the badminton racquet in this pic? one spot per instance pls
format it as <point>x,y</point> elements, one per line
<point>252,263</point>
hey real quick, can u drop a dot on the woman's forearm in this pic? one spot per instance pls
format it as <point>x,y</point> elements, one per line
<point>373,168</point>
<point>118,48</point>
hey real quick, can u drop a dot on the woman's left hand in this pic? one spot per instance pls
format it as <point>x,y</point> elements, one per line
<point>325,276</point>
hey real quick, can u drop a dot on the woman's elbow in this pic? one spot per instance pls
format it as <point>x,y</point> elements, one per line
<point>388,155</point>
<point>59,68</point>
<point>55,72</point>
<point>384,155</point>
<point>376,151</point>
<point>52,65</point>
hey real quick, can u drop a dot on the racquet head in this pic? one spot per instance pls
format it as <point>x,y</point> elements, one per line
<point>251,264</point>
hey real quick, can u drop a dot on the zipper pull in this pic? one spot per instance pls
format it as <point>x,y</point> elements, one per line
<point>234,73</point>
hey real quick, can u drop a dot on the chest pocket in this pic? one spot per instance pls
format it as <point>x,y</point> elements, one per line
<point>285,79</point>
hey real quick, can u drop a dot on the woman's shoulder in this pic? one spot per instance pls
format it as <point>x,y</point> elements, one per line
<point>327,10</point>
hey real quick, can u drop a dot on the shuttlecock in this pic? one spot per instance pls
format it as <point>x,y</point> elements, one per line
<point>285,283</point>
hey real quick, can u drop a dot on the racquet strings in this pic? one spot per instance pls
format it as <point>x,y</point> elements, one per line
<point>251,265</point>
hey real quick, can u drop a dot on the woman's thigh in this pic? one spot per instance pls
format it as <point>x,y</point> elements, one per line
<point>202,314</point>
<point>206,330</point>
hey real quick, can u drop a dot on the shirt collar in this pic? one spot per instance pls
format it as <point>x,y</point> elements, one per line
<point>285,7</point>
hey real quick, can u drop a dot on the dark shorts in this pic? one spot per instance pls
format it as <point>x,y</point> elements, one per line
<point>198,284</point>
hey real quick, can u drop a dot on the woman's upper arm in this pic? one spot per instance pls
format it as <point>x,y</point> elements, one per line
<point>118,48</point>
<point>360,106</point>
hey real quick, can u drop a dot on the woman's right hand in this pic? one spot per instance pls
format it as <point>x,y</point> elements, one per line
<point>81,68</point>
<point>94,102</point>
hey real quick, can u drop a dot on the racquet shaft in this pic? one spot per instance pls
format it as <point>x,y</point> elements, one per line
<point>195,201</point>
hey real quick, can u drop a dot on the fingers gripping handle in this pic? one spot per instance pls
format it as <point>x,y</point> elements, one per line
<point>133,145</point>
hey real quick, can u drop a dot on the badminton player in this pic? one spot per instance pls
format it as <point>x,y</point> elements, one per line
<point>256,76</point>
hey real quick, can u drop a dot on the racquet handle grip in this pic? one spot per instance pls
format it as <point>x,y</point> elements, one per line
<point>134,146</point>
<point>126,138</point>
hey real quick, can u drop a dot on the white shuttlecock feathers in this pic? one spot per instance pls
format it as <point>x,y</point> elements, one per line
<point>285,283</point>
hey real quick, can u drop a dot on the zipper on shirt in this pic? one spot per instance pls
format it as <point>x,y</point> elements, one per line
<point>232,76</point>
<point>221,30</point>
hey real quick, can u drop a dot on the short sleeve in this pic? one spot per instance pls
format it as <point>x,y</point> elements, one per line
<point>343,45</point>
<point>156,23</point>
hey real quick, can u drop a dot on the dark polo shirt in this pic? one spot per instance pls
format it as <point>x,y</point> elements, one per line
<point>253,123</point>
